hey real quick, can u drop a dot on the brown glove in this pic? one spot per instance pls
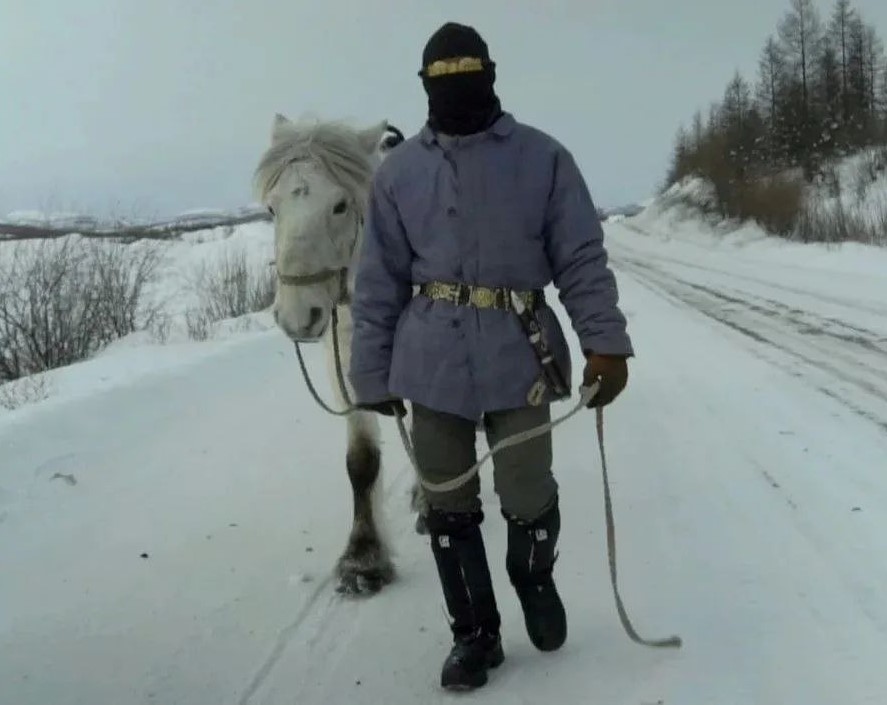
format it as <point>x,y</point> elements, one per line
<point>611,371</point>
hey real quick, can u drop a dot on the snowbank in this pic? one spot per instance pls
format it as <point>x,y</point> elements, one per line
<point>672,218</point>
<point>847,202</point>
<point>858,184</point>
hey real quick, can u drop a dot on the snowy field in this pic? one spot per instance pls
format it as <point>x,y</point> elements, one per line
<point>170,516</point>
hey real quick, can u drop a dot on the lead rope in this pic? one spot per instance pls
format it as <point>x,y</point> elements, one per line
<point>349,407</point>
<point>672,641</point>
<point>586,395</point>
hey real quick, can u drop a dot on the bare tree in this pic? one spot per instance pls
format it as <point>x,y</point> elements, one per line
<point>800,33</point>
<point>873,62</point>
<point>839,33</point>
<point>771,75</point>
<point>816,94</point>
<point>828,99</point>
<point>770,94</point>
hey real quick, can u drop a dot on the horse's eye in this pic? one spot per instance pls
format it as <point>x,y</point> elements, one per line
<point>271,211</point>
<point>340,208</point>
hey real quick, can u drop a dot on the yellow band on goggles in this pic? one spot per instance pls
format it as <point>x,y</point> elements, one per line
<point>462,64</point>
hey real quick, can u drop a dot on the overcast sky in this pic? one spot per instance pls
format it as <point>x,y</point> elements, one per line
<point>152,107</point>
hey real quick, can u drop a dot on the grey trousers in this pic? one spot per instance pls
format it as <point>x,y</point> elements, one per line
<point>522,475</point>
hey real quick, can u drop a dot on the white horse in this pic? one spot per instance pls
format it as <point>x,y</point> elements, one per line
<point>314,178</point>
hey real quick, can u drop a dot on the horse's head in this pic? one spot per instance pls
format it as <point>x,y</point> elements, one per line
<point>314,180</point>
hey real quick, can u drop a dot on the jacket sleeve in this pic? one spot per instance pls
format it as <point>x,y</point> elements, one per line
<point>382,288</point>
<point>586,285</point>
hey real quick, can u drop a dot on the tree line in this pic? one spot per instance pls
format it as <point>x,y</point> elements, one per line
<point>820,93</point>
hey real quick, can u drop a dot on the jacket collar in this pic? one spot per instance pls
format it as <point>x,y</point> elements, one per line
<point>501,129</point>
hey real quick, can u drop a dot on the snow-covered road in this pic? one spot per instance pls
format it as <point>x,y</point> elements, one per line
<point>748,460</point>
<point>828,327</point>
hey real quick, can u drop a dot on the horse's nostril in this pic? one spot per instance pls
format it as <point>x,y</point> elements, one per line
<point>316,313</point>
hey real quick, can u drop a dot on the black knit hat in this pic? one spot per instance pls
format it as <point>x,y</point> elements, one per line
<point>455,40</point>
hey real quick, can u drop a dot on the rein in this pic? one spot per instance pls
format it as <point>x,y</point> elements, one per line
<point>349,407</point>
<point>586,395</point>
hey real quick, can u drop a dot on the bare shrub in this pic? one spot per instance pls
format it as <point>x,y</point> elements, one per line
<point>62,301</point>
<point>832,180</point>
<point>820,224</point>
<point>872,165</point>
<point>228,288</point>
<point>28,390</point>
<point>839,224</point>
<point>198,324</point>
<point>877,223</point>
<point>121,274</point>
<point>775,203</point>
<point>862,179</point>
<point>159,327</point>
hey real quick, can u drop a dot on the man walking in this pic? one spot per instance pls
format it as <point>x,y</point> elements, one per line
<point>476,207</point>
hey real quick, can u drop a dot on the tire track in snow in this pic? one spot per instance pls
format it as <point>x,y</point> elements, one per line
<point>812,326</point>
<point>756,280</point>
<point>835,381</point>
<point>851,367</point>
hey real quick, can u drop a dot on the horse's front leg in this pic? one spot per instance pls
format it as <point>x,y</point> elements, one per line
<point>365,566</point>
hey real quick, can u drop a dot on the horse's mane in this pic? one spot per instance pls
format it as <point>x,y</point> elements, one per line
<point>333,146</point>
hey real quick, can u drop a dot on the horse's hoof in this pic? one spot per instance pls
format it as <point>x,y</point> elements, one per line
<point>359,585</point>
<point>357,581</point>
<point>421,525</point>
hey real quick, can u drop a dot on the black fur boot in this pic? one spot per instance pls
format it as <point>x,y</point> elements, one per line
<point>458,548</point>
<point>530,561</point>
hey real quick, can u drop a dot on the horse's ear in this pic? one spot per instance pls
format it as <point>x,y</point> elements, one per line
<point>277,126</point>
<point>371,138</point>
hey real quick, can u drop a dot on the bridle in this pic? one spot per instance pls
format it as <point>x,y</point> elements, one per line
<point>395,137</point>
<point>343,298</point>
<point>325,275</point>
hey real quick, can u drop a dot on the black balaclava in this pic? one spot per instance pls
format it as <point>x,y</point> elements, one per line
<point>460,103</point>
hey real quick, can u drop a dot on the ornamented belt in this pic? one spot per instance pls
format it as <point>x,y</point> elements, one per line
<point>481,296</point>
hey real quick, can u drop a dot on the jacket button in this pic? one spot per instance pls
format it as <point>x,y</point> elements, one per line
<point>451,211</point>
<point>456,324</point>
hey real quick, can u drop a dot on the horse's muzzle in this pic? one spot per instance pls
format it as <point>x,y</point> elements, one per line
<point>311,333</point>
